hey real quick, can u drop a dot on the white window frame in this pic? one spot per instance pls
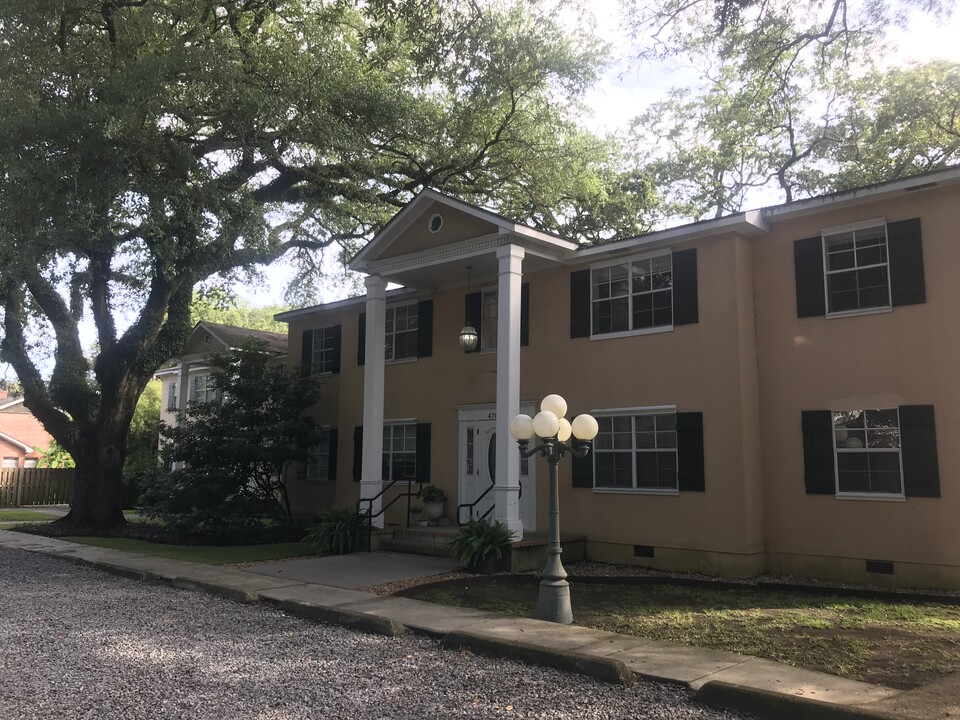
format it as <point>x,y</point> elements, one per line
<point>901,496</point>
<point>387,452</point>
<point>5,463</point>
<point>628,262</point>
<point>210,392</point>
<point>827,233</point>
<point>29,463</point>
<point>173,397</point>
<point>632,412</point>
<point>391,309</point>
<point>318,462</point>
<point>327,353</point>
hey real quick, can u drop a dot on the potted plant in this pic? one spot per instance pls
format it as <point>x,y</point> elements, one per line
<point>418,518</point>
<point>433,499</point>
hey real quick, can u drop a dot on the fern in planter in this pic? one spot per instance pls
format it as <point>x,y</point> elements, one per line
<point>336,531</point>
<point>481,542</point>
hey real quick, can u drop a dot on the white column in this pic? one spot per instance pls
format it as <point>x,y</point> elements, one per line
<point>371,472</point>
<point>183,390</point>
<point>507,490</point>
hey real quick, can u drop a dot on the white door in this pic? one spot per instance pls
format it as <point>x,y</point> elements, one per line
<point>478,467</point>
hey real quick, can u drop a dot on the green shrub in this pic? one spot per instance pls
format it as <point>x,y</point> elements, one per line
<point>433,494</point>
<point>336,531</point>
<point>481,541</point>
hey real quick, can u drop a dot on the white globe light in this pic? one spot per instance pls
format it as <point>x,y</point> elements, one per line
<point>585,427</point>
<point>564,433</point>
<point>521,427</point>
<point>555,404</point>
<point>546,424</point>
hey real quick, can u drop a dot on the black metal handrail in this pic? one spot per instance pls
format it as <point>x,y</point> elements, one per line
<point>368,513</point>
<point>471,506</point>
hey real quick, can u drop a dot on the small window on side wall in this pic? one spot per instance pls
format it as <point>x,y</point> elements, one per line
<point>322,457</point>
<point>859,268</point>
<point>871,453</point>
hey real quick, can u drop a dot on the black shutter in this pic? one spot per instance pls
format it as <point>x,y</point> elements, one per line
<point>337,331</point>
<point>580,304</point>
<point>423,452</point>
<point>524,314</point>
<point>362,339</point>
<point>306,353</point>
<point>808,270</point>
<point>690,466</point>
<point>425,328</point>
<point>918,445</point>
<point>582,467</point>
<point>685,309</point>
<point>332,464</point>
<point>357,452</point>
<point>819,476</point>
<point>907,285</point>
<point>473,309</point>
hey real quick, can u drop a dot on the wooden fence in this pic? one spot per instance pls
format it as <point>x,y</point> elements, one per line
<point>35,486</point>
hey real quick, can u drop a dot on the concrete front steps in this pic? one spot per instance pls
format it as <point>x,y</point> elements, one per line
<point>433,541</point>
<point>528,554</point>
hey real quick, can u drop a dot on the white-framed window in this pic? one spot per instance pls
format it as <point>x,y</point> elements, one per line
<point>633,295</point>
<point>10,462</point>
<point>402,322</point>
<point>867,452</point>
<point>318,457</point>
<point>29,463</point>
<point>400,452</point>
<point>173,398</point>
<point>856,267</point>
<point>203,389</point>
<point>488,320</point>
<point>323,354</point>
<point>637,450</point>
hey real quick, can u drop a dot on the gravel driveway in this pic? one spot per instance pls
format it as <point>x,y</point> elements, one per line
<point>79,643</point>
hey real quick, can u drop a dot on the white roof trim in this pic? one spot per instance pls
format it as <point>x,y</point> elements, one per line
<point>403,219</point>
<point>395,294</point>
<point>14,441</point>
<point>10,402</point>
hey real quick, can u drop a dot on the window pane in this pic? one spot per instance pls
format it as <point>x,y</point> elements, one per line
<point>613,470</point>
<point>645,422</point>
<point>667,421</point>
<point>646,440</point>
<point>667,439</point>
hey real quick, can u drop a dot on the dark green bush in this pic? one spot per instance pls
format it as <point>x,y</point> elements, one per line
<point>336,531</point>
<point>433,494</point>
<point>481,541</point>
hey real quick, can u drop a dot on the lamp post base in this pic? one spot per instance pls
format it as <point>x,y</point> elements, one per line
<point>553,602</point>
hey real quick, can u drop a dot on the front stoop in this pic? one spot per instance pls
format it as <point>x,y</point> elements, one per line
<point>432,541</point>
<point>525,555</point>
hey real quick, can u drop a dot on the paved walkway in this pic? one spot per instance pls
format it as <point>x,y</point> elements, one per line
<point>766,688</point>
<point>359,569</point>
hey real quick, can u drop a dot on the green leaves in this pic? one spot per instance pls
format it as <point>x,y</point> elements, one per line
<point>336,531</point>
<point>481,540</point>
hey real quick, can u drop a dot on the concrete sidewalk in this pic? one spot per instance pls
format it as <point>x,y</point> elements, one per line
<point>763,687</point>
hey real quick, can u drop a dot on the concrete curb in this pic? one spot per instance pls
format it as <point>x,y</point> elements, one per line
<point>599,668</point>
<point>236,595</point>
<point>769,705</point>
<point>346,618</point>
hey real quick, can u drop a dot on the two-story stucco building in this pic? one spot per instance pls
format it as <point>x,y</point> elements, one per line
<point>776,390</point>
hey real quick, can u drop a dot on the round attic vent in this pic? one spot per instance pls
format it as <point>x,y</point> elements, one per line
<point>436,222</point>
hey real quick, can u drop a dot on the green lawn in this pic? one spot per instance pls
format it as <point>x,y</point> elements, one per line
<point>890,642</point>
<point>208,554</point>
<point>18,515</point>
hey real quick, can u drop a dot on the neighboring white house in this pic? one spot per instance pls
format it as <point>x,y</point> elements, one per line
<point>186,378</point>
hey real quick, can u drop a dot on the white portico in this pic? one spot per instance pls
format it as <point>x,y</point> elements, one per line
<point>428,247</point>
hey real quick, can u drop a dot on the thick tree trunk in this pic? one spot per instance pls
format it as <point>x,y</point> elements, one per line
<point>97,500</point>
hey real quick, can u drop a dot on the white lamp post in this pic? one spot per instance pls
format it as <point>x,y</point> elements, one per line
<point>553,601</point>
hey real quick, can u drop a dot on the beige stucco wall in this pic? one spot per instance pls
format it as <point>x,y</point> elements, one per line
<point>906,356</point>
<point>750,366</point>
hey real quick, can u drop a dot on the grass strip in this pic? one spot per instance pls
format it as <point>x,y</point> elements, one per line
<point>206,554</point>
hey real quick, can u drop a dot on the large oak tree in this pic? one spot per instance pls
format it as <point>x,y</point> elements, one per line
<point>146,145</point>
